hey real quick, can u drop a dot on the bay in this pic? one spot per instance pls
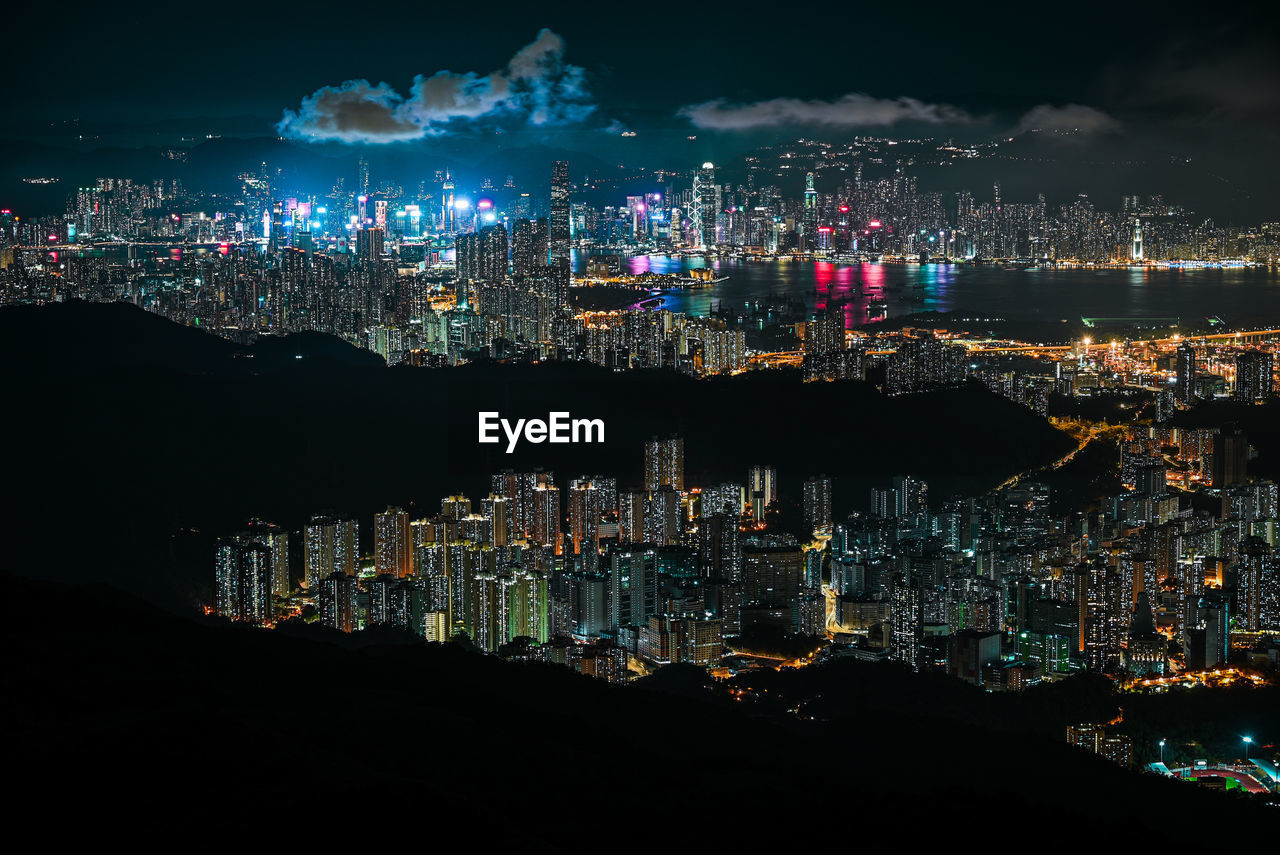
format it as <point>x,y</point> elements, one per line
<point>1237,296</point>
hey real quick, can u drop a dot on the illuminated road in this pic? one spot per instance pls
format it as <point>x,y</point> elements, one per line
<point>833,624</point>
<point>1023,347</point>
<point>779,358</point>
<point>1083,434</point>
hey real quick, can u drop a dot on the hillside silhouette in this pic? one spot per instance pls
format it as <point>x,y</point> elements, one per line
<point>155,726</point>
<point>134,441</point>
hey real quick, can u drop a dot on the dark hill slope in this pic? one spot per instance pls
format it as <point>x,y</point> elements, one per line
<point>135,722</point>
<point>127,433</point>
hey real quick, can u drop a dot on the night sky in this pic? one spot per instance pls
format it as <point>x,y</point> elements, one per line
<point>1129,80</point>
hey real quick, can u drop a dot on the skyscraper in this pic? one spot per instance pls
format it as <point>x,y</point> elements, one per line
<point>631,516</point>
<point>1185,385</point>
<point>664,463</point>
<point>825,356</point>
<point>558,222</point>
<point>662,522</point>
<point>338,602</point>
<point>705,207</point>
<point>277,540</point>
<point>242,579</point>
<point>1253,376</point>
<point>719,548</point>
<point>1230,457</point>
<point>762,489</point>
<point>633,586</point>
<point>498,511</point>
<point>362,177</point>
<point>369,244</point>
<point>809,228</point>
<point>772,577</point>
<point>530,248</point>
<point>906,615</point>
<point>545,517</point>
<point>817,504</point>
<point>586,505</point>
<point>330,545</point>
<point>448,217</point>
<point>392,545</point>
<point>912,496</point>
<point>1257,585</point>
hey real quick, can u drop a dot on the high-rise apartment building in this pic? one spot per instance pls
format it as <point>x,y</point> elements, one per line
<point>817,504</point>
<point>330,545</point>
<point>392,544</point>
<point>1254,383</point>
<point>242,579</point>
<point>664,463</point>
<point>1185,369</point>
<point>339,602</point>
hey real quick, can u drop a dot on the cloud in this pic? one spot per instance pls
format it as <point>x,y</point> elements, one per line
<point>356,111</point>
<point>852,110</point>
<point>537,87</point>
<point>1068,117</point>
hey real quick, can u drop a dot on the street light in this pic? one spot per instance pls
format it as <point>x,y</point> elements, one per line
<point>1162,751</point>
<point>1248,740</point>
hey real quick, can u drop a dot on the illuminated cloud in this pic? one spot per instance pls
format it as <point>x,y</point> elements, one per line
<point>1068,117</point>
<point>852,110</point>
<point>537,87</point>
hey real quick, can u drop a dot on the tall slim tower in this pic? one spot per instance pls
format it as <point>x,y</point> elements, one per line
<point>558,223</point>
<point>810,212</point>
<point>1185,388</point>
<point>447,218</point>
<point>362,177</point>
<point>1136,252</point>
<point>706,204</point>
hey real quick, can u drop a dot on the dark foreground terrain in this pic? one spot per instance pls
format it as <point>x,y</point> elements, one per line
<point>123,721</point>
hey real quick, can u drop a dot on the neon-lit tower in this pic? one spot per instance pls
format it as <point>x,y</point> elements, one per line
<point>447,219</point>
<point>810,212</point>
<point>362,176</point>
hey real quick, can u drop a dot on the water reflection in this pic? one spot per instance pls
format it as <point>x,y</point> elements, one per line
<point>864,291</point>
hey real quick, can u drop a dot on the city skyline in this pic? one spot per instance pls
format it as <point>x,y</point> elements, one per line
<point>1141,92</point>
<point>631,428</point>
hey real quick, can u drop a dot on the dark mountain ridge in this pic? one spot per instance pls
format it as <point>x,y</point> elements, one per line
<point>147,434</point>
<point>153,726</point>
